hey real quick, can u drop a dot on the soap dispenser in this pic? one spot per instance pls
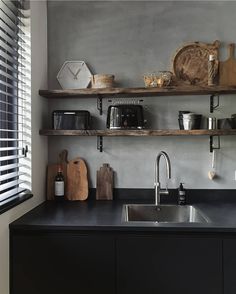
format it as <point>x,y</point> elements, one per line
<point>181,195</point>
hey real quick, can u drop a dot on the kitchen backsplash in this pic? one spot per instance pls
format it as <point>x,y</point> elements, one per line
<point>129,39</point>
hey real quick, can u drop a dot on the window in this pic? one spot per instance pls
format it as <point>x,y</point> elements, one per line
<point>15,102</point>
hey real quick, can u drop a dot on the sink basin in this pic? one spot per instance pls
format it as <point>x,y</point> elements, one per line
<point>162,214</point>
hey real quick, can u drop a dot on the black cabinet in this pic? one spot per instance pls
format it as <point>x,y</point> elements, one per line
<point>229,253</point>
<point>169,264</point>
<point>119,263</point>
<point>57,263</point>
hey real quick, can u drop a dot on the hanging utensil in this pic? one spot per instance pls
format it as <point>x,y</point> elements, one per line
<point>212,172</point>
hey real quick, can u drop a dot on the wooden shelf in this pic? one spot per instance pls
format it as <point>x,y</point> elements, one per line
<point>137,133</point>
<point>108,92</point>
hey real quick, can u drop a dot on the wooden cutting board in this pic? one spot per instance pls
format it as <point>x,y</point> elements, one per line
<point>227,69</point>
<point>52,171</point>
<point>104,190</point>
<point>77,180</point>
<point>190,62</point>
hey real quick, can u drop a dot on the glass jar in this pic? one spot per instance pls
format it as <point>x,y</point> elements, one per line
<point>164,78</point>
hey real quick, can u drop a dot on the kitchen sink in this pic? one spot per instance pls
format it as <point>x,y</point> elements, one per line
<point>162,214</point>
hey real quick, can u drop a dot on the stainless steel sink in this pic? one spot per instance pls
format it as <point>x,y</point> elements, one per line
<point>162,214</point>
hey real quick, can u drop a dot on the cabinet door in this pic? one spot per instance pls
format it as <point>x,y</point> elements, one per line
<point>229,252</point>
<point>168,265</point>
<point>62,264</point>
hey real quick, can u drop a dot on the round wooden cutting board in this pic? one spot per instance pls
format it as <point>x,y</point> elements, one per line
<point>190,62</point>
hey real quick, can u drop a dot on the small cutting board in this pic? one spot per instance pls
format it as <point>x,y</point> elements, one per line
<point>52,172</point>
<point>104,190</point>
<point>227,69</point>
<point>77,180</point>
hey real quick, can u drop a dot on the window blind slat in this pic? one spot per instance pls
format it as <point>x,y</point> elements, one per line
<point>11,104</point>
<point>8,85</point>
<point>10,77</point>
<point>16,133</point>
<point>10,114</point>
<point>13,27</point>
<point>21,124</point>
<point>11,50</point>
<point>11,140</point>
<point>4,35</point>
<point>5,158</point>
<point>10,185</point>
<point>11,193</point>
<point>8,30</point>
<point>10,166</point>
<point>6,8</point>
<point>9,95</point>
<point>22,50</point>
<point>2,149</point>
<point>11,86</point>
<point>11,175</point>
<point>17,62</point>
<point>8,57</point>
<point>11,6</point>
<point>15,96</point>
<point>9,67</point>
<point>19,131</point>
<point>25,94</point>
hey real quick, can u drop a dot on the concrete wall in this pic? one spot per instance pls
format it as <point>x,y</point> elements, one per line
<point>129,39</point>
<point>39,144</point>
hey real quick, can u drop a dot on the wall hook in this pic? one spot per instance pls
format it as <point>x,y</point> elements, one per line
<point>214,105</point>
<point>100,143</point>
<point>99,104</point>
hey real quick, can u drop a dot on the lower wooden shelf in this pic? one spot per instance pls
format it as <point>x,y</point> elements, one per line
<point>137,133</point>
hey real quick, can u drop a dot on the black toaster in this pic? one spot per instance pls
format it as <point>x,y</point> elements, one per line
<point>71,120</point>
<point>125,116</point>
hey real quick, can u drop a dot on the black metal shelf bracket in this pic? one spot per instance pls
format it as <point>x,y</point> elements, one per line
<point>212,147</point>
<point>99,104</point>
<point>214,105</point>
<point>100,143</point>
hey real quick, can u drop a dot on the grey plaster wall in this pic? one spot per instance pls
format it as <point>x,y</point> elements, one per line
<point>129,39</point>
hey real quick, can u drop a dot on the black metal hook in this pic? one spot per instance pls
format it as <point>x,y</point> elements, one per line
<point>25,150</point>
<point>100,143</point>
<point>212,105</point>
<point>212,147</point>
<point>99,104</point>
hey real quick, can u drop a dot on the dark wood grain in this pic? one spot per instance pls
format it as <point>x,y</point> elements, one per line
<point>104,187</point>
<point>138,133</point>
<point>169,91</point>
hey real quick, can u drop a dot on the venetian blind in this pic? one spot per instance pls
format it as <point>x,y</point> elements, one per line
<point>15,99</point>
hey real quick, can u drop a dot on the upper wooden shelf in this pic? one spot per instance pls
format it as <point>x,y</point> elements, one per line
<point>137,133</point>
<point>170,91</point>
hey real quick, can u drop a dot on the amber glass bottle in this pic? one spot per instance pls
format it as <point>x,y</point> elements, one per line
<point>59,185</point>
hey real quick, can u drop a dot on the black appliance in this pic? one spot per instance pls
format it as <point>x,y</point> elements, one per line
<point>125,116</point>
<point>71,120</point>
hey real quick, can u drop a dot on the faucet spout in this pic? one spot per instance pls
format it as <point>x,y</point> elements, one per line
<point>157,184</point>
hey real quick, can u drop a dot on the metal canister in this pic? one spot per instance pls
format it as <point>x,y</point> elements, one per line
<point>211,123</point>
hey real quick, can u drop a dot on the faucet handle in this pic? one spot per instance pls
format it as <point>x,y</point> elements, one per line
<point>164,191</point>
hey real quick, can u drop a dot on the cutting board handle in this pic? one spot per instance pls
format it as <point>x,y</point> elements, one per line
<point>63,156</point>
<point>231,50</point>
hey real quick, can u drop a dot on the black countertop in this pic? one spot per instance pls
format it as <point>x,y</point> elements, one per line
<point>95,215</point>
